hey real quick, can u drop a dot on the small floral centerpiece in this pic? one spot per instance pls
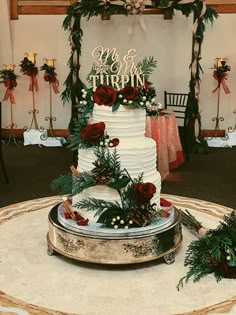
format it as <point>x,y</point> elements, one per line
<point>8,77</point>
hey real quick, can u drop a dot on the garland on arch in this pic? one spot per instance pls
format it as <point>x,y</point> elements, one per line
<point>202,14</point>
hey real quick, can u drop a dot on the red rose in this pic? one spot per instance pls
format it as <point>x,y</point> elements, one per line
<point>105,95</point>
<point>115,142</point>
<point>147,85</point>
<point>130,93</point>
<point>144,192</point>
<point>93,132</point>
<point>50,77</point>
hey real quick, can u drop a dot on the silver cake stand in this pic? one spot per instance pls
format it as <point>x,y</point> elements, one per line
<point>106,246</point>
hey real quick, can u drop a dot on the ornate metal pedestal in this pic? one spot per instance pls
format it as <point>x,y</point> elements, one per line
<point>114,247</point>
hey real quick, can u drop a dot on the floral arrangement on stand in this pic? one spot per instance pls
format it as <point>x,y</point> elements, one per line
<point>214,252</point>
<point>29,68</point>
<point>220,74</point>
<point>8,78</point>
<point>50,76</point>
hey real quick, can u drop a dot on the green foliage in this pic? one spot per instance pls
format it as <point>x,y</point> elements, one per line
<point>75,140</point>
<point>147,65</point>
<point>97,205</point>
<point>64,183</point>
<point>111,160</point>
<point>208,254</point>
<point>84,181</point>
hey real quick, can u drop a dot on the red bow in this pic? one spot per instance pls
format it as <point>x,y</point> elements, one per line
<point>221,77</point>
<point>9,94</point>
<point>33,83</point>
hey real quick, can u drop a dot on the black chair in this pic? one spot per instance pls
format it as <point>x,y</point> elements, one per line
<point>2,164</point>
<point>179,104</point>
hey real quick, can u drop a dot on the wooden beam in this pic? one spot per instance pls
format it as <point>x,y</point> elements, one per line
<point>224,8</point>
<point>43,10</point>
<point>13,10</point>
<point>31,7</point>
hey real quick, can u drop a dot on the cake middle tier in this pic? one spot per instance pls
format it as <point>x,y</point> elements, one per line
<point>127,122</point>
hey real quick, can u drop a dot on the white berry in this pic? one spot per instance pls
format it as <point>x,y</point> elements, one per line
<point>115,227</point>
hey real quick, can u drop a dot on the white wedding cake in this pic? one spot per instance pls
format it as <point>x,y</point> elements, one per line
<point>118,112</point>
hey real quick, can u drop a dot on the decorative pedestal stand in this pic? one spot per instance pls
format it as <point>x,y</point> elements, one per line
<point>12,127</point>
<point>218,118</point>
<point>109,246</point>
<point>50,118</point>
<point>34,111</point>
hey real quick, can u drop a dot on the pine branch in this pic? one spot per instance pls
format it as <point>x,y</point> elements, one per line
<point>147,65</point>
<point>82,182</point>
<point>98,205</point>
<point>64,183</point>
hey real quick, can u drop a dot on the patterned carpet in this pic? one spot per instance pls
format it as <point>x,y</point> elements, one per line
<point>32,282</point>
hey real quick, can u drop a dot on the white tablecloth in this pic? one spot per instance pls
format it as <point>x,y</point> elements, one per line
<point>228,141</point>
<point>34,136</point>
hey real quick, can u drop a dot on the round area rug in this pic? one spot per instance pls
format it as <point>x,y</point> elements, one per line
<point>31,282</point>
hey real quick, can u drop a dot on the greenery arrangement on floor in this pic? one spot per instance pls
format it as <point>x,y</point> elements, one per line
<point>214,252</point>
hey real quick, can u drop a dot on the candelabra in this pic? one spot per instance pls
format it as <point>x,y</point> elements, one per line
<point>9,79</point>
<point>220,69</point>
<point>28,67</point>
<point>51,77</point>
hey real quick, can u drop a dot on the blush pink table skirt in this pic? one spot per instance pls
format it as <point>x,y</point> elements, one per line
<point>164,130</point>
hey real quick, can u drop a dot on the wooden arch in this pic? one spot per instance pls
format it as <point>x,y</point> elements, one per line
<point>202,14</point>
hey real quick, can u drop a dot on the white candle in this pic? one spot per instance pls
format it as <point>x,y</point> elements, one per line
<point>50,62</point>
<point>31,57</point>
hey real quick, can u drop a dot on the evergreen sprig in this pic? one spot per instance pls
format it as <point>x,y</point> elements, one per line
<point>81,182</point>
<point>98,205</point>
<point>147,65</point>
<point>64,183</point>
<point>209,254</point>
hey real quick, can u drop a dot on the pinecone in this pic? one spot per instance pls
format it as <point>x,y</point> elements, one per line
<point>101,173</point>
<point>142,217</point>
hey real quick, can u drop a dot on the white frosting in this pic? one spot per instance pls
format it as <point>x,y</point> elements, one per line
<point>127,122</point>
<point>137,153</point>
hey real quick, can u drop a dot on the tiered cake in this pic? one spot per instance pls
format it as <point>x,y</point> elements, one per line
<point>118,112</point>
<point>114,213</point>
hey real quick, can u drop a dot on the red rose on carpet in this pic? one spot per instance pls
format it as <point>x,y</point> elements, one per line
<point>144,192</point>
<point>105,95</point>
<point>93,132</point>
<point>165,203</point>
<point>130,93</point>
